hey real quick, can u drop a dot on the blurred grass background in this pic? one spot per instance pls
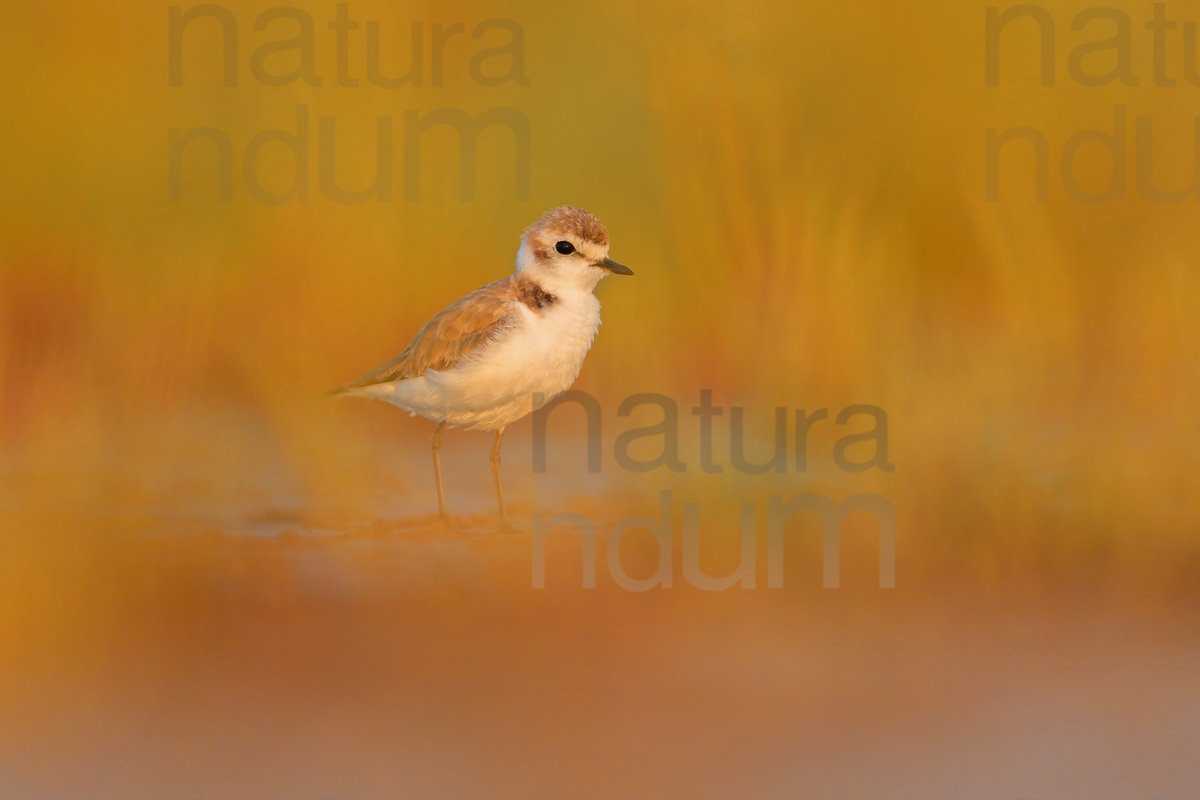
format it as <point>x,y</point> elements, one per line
<point>800,190</point>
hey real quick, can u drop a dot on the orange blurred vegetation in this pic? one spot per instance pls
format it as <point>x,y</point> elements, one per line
<point>800,189</point>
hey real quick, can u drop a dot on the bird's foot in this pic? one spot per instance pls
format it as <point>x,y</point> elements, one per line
<point>508,525</point>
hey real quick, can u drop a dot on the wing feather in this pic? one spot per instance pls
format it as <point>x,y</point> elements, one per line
<point>455,333</point>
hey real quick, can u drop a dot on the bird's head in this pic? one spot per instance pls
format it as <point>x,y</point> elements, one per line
<point>567,248</point>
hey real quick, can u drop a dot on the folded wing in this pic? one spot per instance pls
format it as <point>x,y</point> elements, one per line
<point>451,336</point>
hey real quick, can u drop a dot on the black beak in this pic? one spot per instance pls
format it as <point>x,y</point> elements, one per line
<point>614,267</point>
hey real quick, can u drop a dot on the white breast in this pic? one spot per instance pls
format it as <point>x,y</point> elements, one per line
<point>540,354</point>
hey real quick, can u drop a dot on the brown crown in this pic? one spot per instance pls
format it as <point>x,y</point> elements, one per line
<point>571,221</point>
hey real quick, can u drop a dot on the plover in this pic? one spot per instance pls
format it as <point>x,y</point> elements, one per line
<point>503,350</point>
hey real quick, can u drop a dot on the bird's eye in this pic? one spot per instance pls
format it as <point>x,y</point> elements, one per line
<point>566,248</point>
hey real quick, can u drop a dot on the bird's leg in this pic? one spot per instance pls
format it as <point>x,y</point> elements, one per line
<point>495,459</point>
<point>437,469</point>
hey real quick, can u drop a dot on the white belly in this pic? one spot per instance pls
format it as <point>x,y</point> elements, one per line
<point>537,359</point>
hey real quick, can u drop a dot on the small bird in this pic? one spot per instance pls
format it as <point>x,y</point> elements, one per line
<point>507,348</point>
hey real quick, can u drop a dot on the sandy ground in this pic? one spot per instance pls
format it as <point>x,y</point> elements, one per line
<point>278,647</point>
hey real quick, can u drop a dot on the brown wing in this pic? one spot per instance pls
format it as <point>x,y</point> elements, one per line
<point>453,334</point>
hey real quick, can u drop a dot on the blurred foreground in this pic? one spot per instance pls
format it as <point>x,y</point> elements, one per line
<point>280,646</point>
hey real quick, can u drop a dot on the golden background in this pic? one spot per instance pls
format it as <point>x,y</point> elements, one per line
<point>217,583</point>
